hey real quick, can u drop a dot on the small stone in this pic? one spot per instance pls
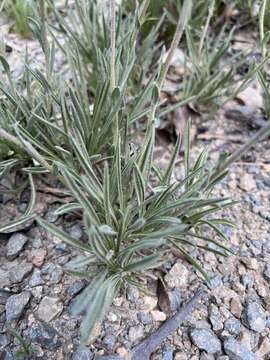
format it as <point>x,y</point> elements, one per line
<point>49,308</point>
<point>233,326</point>
<point>266,272</point>
<point>132,293</point>
<point>15,305</point>
<point>45,335</point>
<point>15,245</point>
<point>236,351</point>
<point>264,348</point>
<point>82,354</point>
<point>251,263</point>
<point>19,272</point>
<point>76,287</point>
<point>215,318</point>
<point>177,276</point>
<point>206,356</point>
<point>109,341</point>
<point>4,278</point>
<point>247,182</point>
<point>135,333</point>
<point>51,216</point>
<point>76,231</point>
<point>206,340</point>
<point>122,352</point>
<point>145,318</point>
<point>108,357</point>
<point>38,257</point>
<point>167,353</point>
<point>158,315</point>
<point>149,303</point>
<point>236,307</point>
<point>36,279</point>
<point>255,317</point>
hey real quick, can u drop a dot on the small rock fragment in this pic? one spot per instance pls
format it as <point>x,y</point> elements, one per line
<point>132,293</point>
<point>36,279</point>
<point>109,341</point>
<point>15,245</point>
<point>49,308</point>
<point>247,182</point>
<point>45,335</point>
<point>251,263</point>
<point>15,305</point>
<point>266,272</point>
<point>233,326</point>
<point>264,348</point>
<point>149,303</point>
<point>19,272</point>
<point>255,317</point>
<point>177,276</point>
<point>158,315</point>
<point>206,340</point>
<point>215,318</point>
<point>82,354</point>
<point>236,351</point>
<point>167,353</point>
<point>38,257</point>
<point>236,307</point>
<point>135,333</point>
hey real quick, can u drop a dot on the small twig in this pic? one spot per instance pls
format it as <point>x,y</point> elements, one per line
<point>260,135</point>
<point>143,350</point>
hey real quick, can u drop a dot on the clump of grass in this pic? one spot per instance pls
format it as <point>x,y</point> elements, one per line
<point>131,221</point>
<point>20,11</point>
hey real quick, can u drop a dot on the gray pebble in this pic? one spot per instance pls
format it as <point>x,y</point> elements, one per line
<point>45,335</point>
<point>167,353</point>
<point>255,317</point>
<point>206,340</point>
<point>109,341</point>
<point>233,326</point>
<point>15,245</point>
<point>237,351</point>
<point>36,279</point>
<point>82,354</point>
<point>20,271</point>
<point>15,305</point>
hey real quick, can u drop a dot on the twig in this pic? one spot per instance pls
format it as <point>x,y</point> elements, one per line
<point>260,135</point>
<point>143,350</point>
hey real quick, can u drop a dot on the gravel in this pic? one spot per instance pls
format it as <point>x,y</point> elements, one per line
<point>255,317</point>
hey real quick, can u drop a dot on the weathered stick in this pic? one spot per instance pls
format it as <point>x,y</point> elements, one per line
<point>143,350</point>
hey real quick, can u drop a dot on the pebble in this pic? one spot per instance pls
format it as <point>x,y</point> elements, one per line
<point>255,317</point>
<point>76,231</point>
<point>36,279</point>
<point>266,272</point>
<point>82,354</point>
<point>167,353</point>
<point>206,340</point>
<point>109,341</point>
<point>247,182</point>
<point>236,307</point>
<point>45,335</point>
<point>15,245</point>
<point>236,351</point>
<point>49,308</point>
<point>264,348</point>
<point>233,326</point>
<point>251,263</point>
<point>145,318</point>
<point>135,333</point>
<point>177,276</point>
<point>158,315</point>
<point>215,318</point>
<point>108,357</point>
<point>76,287</point>
<point>132,293</point>
<point>19,272</point>
<point>38,257</point>
<point>149,303</point>
<point>16,304</point>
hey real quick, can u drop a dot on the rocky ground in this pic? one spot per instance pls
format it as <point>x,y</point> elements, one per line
<point>232,321</point>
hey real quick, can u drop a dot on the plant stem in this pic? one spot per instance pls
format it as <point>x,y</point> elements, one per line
<point>26,147</point>
<point>113,44</point>
<point>209,17</point>
<point>261,25</point>
<point>181,25</point>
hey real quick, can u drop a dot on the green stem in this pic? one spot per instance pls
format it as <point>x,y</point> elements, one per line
<point>113,44</point>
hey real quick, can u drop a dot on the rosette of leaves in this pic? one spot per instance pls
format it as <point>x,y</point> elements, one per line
<point>132,223</point>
